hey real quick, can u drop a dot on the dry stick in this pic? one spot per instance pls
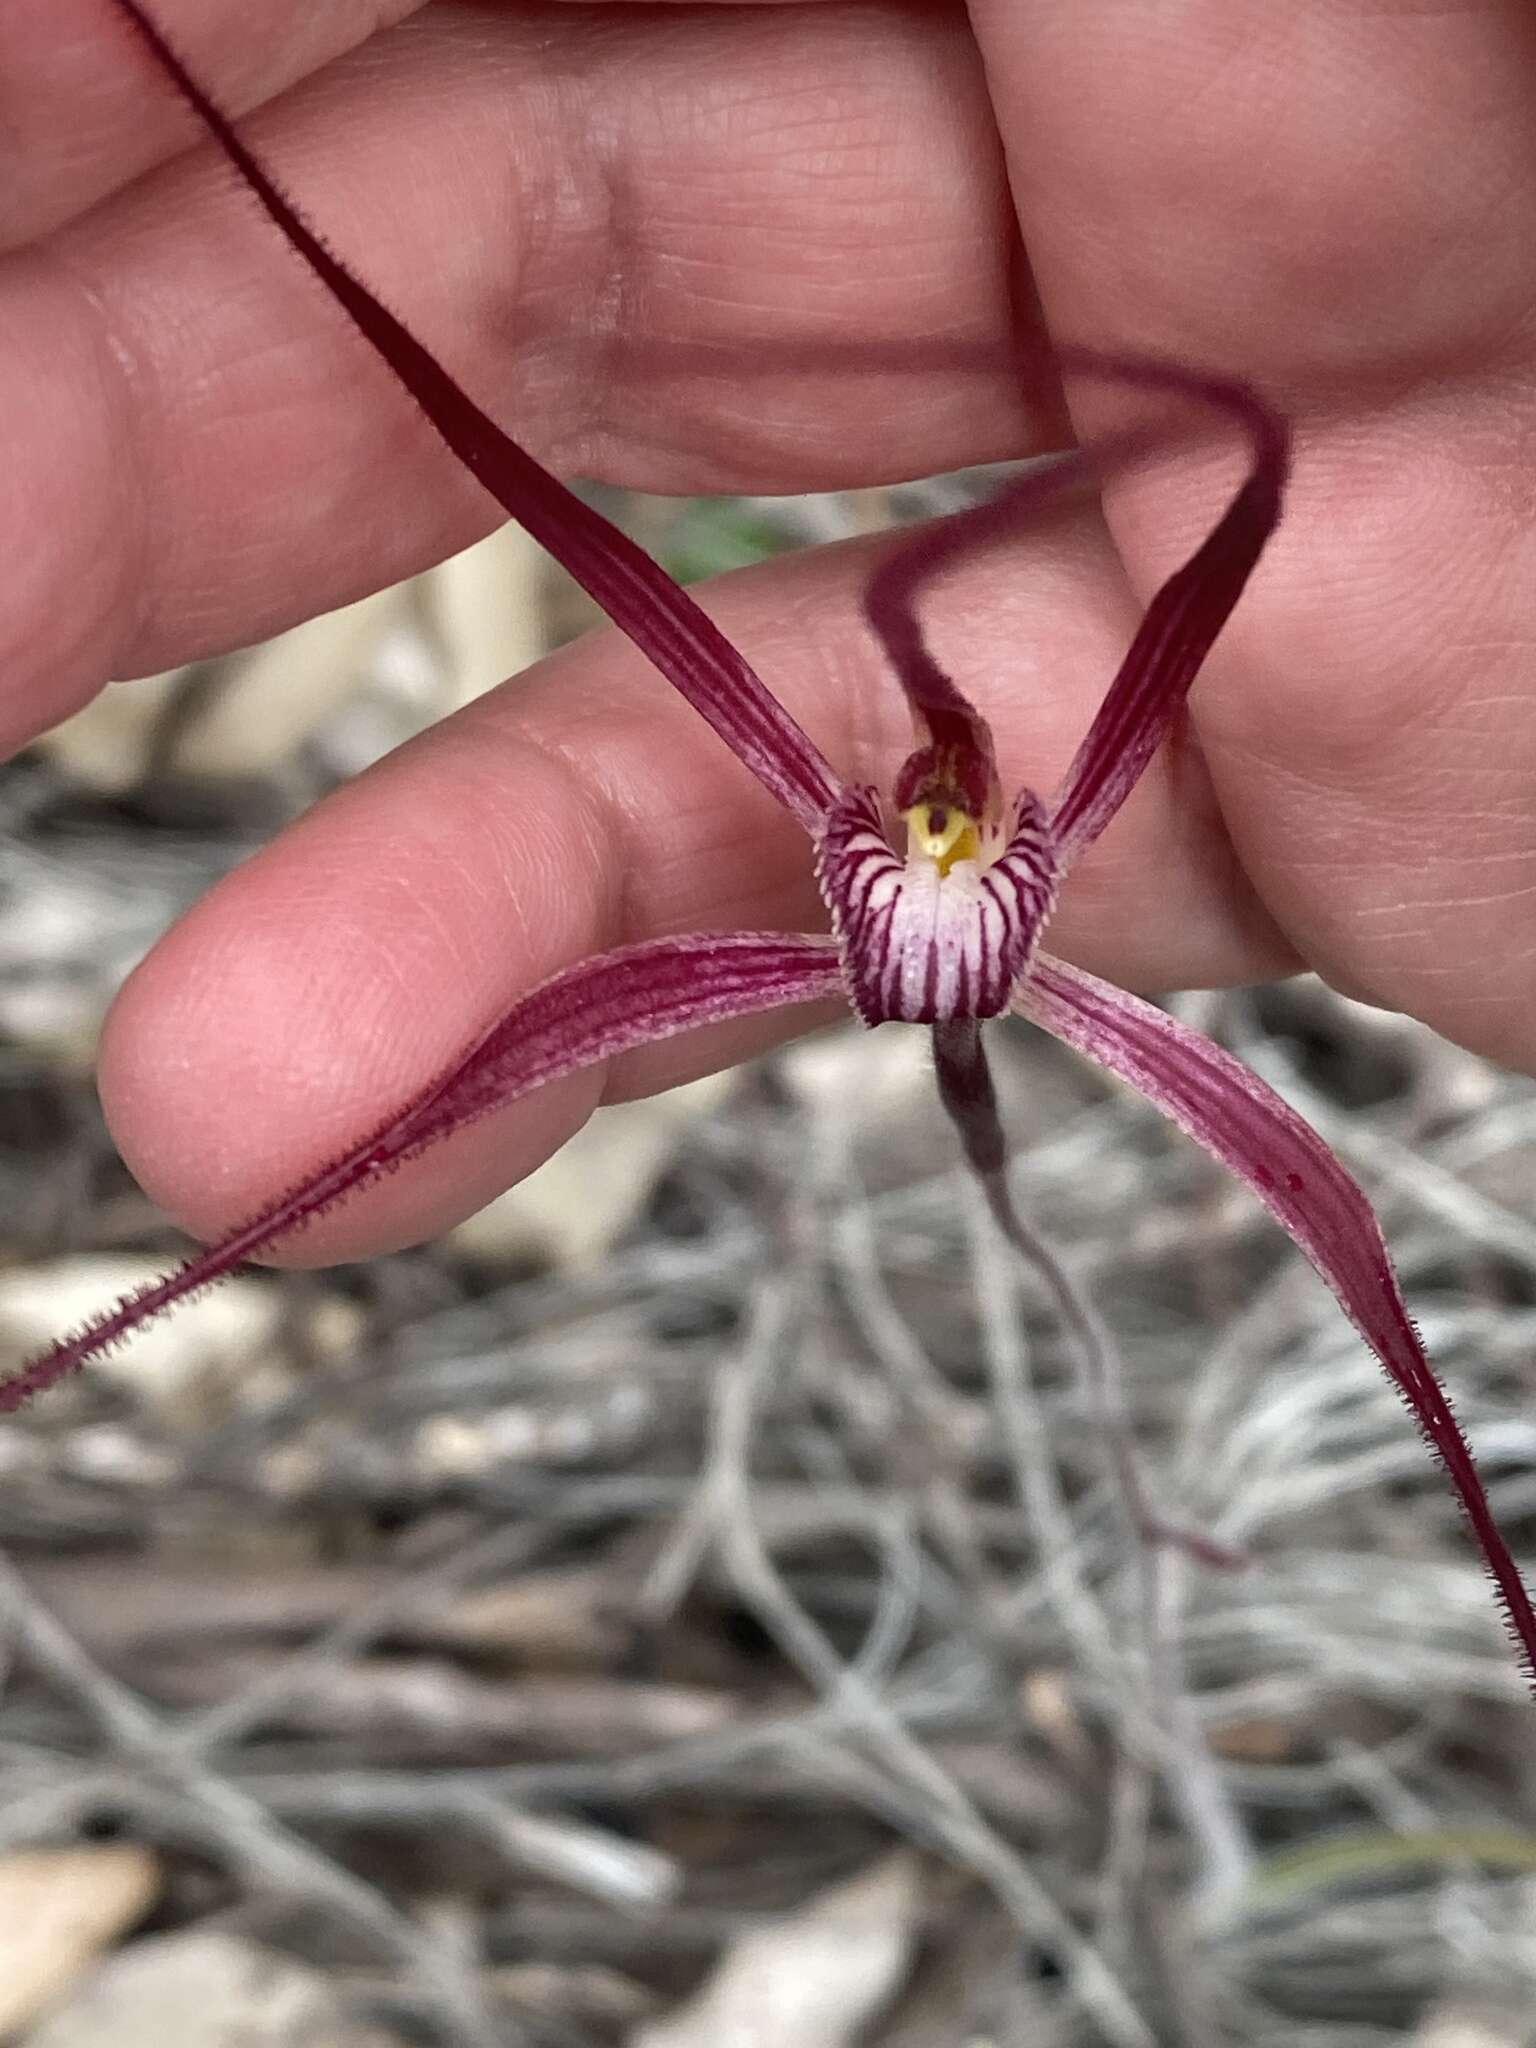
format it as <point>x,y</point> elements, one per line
<point>801,1228</point>
<point>1099,1373</point>
<point>628,1876</point>
<point>830,1209</point>
<point>906,1364</point>
<point>246,1833</point>
<point>1164,1723</point>
<point>967,1090</point>
<point>935,1409</point>
<point>1027,1436</point>
<point>1404,1812</point>
<point>950,1817</point>
<point>800,1223</point>
<point>1163,1553</point>
<point>887,1330</point>
<point>813,1740</point>
<point>574,1853</point>
<point>804,1755</point>
<point>1285,1302</point>
<point>1160,1704</point>
<point>502,1549</point>
<point>1026,1439</point>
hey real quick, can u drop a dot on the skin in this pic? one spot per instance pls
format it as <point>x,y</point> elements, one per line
<point>1332,199</point>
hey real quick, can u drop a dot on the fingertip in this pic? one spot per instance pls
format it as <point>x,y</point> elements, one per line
<point>327,980</point>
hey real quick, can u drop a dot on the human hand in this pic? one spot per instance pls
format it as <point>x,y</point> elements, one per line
<point>1335,209</point>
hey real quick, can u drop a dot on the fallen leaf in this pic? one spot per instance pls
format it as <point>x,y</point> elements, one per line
<point>58,1909</point>
<point>199,1990</point>
<point>811,1980</point>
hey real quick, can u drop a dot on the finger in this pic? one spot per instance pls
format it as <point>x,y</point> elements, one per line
<point>1342,213</point>
<point>69,53</point>
<point>58,55</point>
<point>563,199</point>
<point>1343,198</point>
<point>583,807</point>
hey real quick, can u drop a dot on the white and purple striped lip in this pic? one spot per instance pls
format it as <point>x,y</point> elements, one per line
<point>948,932</point>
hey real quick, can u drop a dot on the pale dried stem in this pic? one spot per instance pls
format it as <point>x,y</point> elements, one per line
<point>189,1800</point>
<point>953,1820</point>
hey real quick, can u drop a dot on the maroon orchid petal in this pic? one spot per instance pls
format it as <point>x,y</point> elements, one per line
<point>914,562</point>
<point>957,768</point>
<point>1185,616</point>
<point>637,594</point>
<point>925,940</point>
<point>589,1013</point>
<point>1235,1116</point>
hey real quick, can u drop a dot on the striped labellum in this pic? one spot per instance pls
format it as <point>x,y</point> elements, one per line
<point>946,933</point>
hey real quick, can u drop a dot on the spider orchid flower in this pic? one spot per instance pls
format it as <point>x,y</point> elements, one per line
<point>943,931</point>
